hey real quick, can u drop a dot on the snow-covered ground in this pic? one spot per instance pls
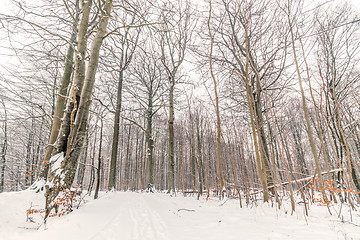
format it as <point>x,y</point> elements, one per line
<point>132,216</point>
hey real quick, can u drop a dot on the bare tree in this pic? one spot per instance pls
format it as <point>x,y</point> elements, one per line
<point>243,47</point>
<point>60,104</point>
<point>175,34</point>
<point>146,89</point>
<point>120,50</point>
<point>217,108</point>
<point>338,49</point>
<point>68,146</point>
<point>292,23</point>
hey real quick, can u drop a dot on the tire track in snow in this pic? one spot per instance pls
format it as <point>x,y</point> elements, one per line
<point>112,227</point>
<point>147,223</point>
<point>132,218</point>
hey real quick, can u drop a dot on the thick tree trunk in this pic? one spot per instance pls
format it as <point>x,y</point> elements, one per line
<point>62,143</point>
<point>64,178</point>
<point>61,97</point>
<point>59,106</point>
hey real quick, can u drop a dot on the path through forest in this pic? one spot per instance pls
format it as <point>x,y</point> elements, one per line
<point>144,216</point>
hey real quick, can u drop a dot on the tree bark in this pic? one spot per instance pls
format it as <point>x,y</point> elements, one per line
<point>306,111</point>
<point>149,143</point>
<point>171,177</point>
<point>78,127</point>
<point>217,110</point>
<point>60,101</point>
<point>98,170</point>
<point>115,142</point>
<point>259,162</point>
<point>3,151</point>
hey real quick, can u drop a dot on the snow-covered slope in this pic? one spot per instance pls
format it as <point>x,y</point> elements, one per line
<point>131,216</point>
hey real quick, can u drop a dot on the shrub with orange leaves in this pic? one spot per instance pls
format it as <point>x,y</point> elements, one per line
<point>64,204</point>
<point>207,198</point>
<point>327,186</point>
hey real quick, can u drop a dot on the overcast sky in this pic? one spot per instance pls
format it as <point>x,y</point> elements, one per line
<point>7,55</point>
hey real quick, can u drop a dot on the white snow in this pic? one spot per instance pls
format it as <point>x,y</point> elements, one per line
<point>55,162</point>
<point>38,184</point>
<point>156,216</point>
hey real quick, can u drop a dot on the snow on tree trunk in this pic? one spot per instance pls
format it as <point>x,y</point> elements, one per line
<point>62,178</point>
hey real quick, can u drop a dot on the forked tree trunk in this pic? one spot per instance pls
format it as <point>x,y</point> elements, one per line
<point>260,163</point>
<point>64,176</point>
<point>61,98</point>
<point>62,143</point>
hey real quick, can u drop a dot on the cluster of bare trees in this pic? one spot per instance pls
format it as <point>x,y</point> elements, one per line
<point>247,95</point>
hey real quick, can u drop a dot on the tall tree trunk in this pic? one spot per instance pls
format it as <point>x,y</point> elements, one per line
<point>261,133</point>
<point>137,156</point>
<point>199,156</point>
<point>28,161</point>
<point>259,161</point>
<point>115,142</point>
<point>306,111</point>
<point>62,143</point>
<point>92,160</point>
<point>217,110</point>
<point>149,144</point>
<point>65,177</point>
<point>127,160</point>
<point>61,97</point>
<point>98,170</point>
<point>171,172</point>
<point>317,117</point>
<point>36,154</point>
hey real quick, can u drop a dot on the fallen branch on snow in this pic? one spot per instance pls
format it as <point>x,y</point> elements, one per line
<point>184,209</point>
<point>294,181</point>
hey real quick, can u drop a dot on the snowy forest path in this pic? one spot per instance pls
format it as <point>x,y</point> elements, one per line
<point>132,217</point>
<point>147,223</point>
<point>158,216</point>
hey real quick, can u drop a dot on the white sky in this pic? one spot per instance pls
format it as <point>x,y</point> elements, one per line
<point>7,55</point>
